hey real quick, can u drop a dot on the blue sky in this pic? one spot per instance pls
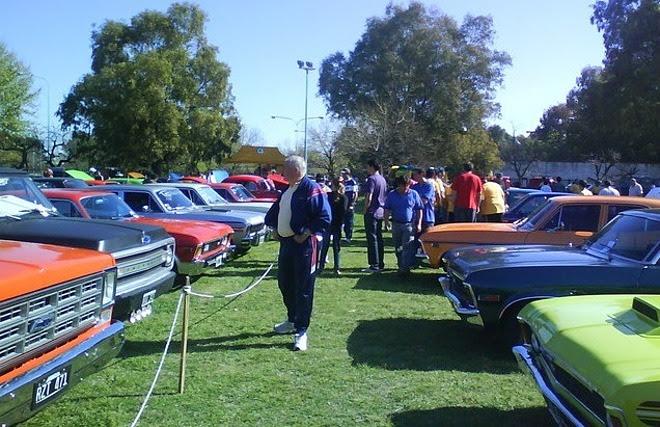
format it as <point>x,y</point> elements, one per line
<point>549,42</point>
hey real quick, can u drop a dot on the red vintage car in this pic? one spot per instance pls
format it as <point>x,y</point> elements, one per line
<point>258,186</point>
<point>239,194</point>
<point>200,245</point>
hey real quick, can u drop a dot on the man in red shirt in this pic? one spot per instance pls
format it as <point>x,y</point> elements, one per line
<point>467,193</point>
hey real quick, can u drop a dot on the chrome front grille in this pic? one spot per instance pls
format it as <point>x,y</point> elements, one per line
<point>141,263</point>
<point>32,321</point>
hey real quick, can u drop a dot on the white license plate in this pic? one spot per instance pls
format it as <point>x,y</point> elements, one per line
<point>48,387</point>
<point>148,298</point>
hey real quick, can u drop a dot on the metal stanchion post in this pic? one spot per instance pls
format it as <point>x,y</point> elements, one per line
<point>184,335</point>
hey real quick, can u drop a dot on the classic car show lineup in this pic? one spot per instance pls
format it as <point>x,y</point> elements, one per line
<point>566,275</point>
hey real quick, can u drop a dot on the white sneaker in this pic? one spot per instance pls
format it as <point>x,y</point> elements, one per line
<point>300,342</point>
<point>285,327</point>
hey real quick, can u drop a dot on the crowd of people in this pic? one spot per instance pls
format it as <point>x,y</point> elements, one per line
<point>313,216</point>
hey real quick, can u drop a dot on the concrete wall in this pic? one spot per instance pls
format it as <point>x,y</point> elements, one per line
<point>569,171</point>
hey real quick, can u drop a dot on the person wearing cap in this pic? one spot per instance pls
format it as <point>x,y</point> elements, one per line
<point>351,190</point>
<point>406,208</point>
<point>582,188</point>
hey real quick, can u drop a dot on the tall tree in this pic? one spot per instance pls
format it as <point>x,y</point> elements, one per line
<point>157,96</point>
<point>16,97</point>
<point>415,82</point>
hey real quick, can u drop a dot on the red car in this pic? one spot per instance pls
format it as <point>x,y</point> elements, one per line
<point>239,194</point>
<point>258,186</point>
<point>200,245</point>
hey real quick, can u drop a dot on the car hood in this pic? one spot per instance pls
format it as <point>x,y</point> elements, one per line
<point>201,231</point>
<point>469,259</point>
<point>232,217</point>
<point>472,231</point>
<point>100,235</point>
<point>30,267</point>
<point>599,339</point>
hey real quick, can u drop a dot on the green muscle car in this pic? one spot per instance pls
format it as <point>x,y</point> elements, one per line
<point>595,359</point>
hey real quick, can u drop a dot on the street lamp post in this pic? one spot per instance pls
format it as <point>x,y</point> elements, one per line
<point>307,66</point>
<point>297,123</point>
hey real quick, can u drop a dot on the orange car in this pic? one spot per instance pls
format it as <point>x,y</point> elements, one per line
<point>55,309</point>
<point>560,221</point>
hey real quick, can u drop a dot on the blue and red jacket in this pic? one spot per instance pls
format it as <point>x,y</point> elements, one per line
<point>309,209</point>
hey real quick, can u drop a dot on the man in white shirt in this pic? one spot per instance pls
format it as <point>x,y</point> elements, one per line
<point>608,190</point>
<point>635,189</point>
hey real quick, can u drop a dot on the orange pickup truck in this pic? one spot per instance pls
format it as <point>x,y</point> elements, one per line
<point>55,323</point>
<point>562,220</point>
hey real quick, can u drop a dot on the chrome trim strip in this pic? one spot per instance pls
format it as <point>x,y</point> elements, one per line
<point>527,365</point>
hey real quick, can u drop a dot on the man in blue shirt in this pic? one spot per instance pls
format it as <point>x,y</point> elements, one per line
<point>405,205</point>
<point>426,191</point>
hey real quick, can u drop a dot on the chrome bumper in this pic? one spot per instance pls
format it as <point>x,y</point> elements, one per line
<point>558,410</point>
<point>132,298</point>
<point>198,267</point>
<point>85,359</point>
<point>461,310</point>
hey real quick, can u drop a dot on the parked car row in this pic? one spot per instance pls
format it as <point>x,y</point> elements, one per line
<point>593,352</point>
<point>79,260</point>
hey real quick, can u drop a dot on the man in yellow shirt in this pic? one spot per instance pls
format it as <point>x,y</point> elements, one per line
<point>492,201</point>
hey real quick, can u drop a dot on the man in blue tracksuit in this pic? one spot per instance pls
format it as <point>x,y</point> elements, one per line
<point>301,217</point>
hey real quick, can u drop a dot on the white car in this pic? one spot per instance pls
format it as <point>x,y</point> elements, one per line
<point>204,195</point>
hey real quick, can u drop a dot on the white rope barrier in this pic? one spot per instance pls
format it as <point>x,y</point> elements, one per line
<point>160,365</point>
<point>186,292</point>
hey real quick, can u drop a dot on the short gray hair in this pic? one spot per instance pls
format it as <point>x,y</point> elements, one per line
<point>297,163</point>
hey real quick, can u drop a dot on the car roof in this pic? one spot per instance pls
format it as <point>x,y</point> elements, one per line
<point>246,177</point>
<point>12,171</point>
<point>72,194</point>
<point>178,184</point>
<point>225,184</point>
<point>608,200</point>
<point>653,213</point>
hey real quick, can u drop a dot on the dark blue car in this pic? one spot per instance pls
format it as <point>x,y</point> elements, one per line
<point>528,204</point>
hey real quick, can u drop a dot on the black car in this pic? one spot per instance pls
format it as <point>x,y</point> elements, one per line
<point>491,284</point>
<point>144,254</point>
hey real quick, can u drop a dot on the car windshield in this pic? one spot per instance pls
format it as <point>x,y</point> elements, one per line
<point>107,207</point>
<point>241,193</point>
<point>627,236</point>
<point>24,188</point>
<point>530,222</point>
<point>174,199</point>
<point>210,197</point>
<point>528,204</point>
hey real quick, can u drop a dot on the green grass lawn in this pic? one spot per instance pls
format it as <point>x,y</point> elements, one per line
<point>383,351</point>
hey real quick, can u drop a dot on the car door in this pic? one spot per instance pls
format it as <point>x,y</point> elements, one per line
<point>649,278</point>
<point>571,224</point>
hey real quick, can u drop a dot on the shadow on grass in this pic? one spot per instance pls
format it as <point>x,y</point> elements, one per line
<point>117,396</point>
<point>254,273</point>
<point>471,416</point>
<point>417,282</point>
<point>427,345</point>
<point>229,342</point>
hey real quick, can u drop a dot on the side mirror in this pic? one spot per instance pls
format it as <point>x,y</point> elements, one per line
<point>145,208</point>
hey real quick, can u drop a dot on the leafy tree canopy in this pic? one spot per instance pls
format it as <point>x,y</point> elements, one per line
<point>417,84</point>
<point>157,96</point>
